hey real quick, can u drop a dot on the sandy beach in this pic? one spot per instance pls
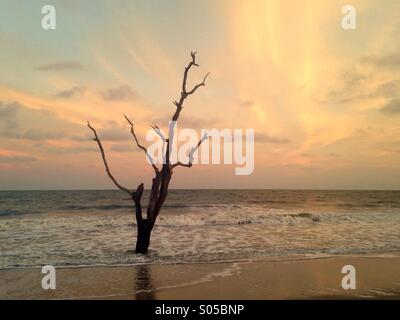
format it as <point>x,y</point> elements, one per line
<point>376,278</point>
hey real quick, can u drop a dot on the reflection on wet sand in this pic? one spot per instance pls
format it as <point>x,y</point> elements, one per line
<point>144,289</point>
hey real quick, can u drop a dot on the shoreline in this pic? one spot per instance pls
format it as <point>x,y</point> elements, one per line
<point>315,278</point>
<point>291,258</point>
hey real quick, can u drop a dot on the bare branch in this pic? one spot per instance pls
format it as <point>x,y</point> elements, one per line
<point>141,146</point>
<point>159,133</point>
<point>185,73</point>
<point>137,197</point>
<point>155,188</point>
<point>199,85</point>
<point>191,154</point>
<point>185,93</point>
<point>164,140</point>
<point>96,138</point>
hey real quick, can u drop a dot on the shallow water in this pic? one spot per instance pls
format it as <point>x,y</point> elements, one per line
<point>97,227</point>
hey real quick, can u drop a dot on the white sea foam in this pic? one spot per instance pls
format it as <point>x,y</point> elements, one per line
<point>219,227</point>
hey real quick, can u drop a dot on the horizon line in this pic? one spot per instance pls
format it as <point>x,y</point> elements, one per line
<point>202,189</point>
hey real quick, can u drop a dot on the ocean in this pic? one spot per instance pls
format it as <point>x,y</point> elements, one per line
<point>90,228</point>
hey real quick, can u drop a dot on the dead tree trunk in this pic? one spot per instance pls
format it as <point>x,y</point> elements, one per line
<point>143,236</point>
<point>160,184</point>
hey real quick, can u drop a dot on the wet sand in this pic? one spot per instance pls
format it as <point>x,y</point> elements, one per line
<point>376,278</point>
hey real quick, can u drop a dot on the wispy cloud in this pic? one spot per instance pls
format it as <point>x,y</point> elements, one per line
<point>12,159</point>
<point>392,107</point>
<point>121,93</point>
<point>61,66</point>
<point>386,61</point>
<point>265,138</point>
<point>112,131</point>
<point>186,122</point>
<point>129,147</point>
<point>246,103</point>
<point>360,83</point>
<point>20,122</point>
<point>70,93</point>
<point>68,150</point>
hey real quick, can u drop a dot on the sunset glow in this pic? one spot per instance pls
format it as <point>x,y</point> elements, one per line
<point>324,102</point>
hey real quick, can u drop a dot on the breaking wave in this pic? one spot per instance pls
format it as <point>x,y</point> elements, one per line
<point>98,228</point>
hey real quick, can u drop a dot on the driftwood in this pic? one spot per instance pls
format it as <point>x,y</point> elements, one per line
<point>162,178</point>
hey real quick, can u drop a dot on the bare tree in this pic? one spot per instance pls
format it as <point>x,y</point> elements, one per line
<point>162,178</point>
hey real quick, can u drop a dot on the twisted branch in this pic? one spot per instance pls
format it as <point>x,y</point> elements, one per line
<point>199,85</point>
<point>164,140</point>
<point>96,138</point>
<point>191,154</point>
<point>184,95</point>
<point>141,146</point>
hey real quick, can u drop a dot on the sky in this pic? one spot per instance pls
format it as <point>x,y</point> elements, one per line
<point>324,102</point>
